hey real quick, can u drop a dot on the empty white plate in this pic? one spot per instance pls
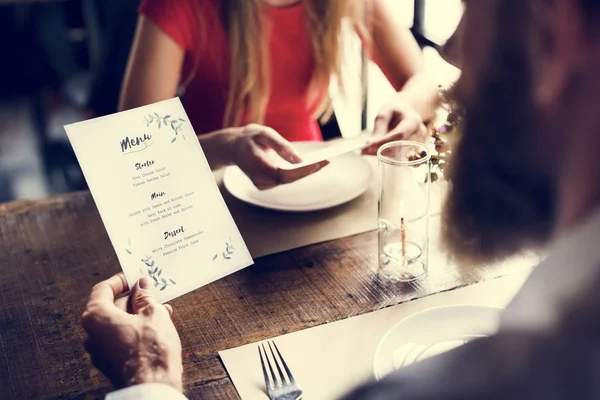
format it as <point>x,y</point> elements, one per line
<point>431,332</point>
<point>344,179</point>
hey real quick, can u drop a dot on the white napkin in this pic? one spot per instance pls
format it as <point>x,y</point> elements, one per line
<point>329,360</point>
<point>337,148</point>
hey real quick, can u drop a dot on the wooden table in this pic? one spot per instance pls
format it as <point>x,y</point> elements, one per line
<point>53,251</point>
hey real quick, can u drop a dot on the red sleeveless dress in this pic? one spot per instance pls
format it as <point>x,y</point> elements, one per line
<point>289,110</point>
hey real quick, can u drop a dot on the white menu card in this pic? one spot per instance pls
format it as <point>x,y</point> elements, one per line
<point>158,198</point>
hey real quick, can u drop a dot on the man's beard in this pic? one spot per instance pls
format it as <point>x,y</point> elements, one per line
<point>500,201</point>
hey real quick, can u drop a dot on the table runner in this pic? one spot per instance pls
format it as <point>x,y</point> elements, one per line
<point>268,231</point>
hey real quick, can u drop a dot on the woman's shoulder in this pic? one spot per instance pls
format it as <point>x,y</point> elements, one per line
<point>179,19</point>
<point>179,6</point>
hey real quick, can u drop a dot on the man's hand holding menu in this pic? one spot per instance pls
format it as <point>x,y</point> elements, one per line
<point>158,198</point>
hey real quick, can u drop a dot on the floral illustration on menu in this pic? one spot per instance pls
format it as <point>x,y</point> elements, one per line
<point>227,253</point>
<point>154,271</point>
<point>168,121</point>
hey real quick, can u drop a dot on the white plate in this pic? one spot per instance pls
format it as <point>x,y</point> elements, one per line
<point>433,332</point>
<point>344,179</point>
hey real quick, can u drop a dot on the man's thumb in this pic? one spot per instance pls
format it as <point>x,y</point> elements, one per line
<point>142,297</point>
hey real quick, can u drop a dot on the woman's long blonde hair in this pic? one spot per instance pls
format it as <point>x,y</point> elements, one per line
<point>249,83</point>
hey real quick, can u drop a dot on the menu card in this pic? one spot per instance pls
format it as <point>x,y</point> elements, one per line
<point>158,198</point>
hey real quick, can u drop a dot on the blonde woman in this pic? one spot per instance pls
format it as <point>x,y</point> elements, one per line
<point>255,73</point>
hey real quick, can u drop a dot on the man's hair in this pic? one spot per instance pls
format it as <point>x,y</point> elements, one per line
<point>591,7</point>
<point>494,209</point>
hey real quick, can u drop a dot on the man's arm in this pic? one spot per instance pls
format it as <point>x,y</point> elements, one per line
<point>505,366</point>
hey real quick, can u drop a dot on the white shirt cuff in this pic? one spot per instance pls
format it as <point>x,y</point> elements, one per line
<point>147,391</point>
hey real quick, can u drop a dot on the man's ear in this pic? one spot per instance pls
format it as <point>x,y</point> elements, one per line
<point>557,47</point>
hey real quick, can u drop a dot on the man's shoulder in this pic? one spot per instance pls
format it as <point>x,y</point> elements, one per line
<point>506,365</point>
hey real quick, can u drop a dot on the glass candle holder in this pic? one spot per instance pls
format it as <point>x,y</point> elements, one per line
<point>403,219</point>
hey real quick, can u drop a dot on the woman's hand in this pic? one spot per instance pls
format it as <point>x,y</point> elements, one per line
<point>252,150</point>
<point>397,120</point>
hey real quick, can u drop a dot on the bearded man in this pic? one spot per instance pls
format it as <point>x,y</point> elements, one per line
<point>525,174</point>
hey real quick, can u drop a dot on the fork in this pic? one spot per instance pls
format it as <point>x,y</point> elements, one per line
<point>278,387</point>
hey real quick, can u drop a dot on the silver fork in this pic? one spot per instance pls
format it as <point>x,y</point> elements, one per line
<point>279,386</point>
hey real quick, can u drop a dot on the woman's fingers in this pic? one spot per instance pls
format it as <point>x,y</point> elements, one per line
<point>407,128</point>
<point>265,175</point>
<point>260,167</point>
<point>268,137</point>
<point>289,176</point>
<point>382,123</point>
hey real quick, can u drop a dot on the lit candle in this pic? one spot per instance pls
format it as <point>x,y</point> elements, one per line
<point>402,233</point>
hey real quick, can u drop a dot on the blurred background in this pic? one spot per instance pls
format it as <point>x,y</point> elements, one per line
<point>62,61</point>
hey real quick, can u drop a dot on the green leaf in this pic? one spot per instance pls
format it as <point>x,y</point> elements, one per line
<point>167,116</point>
<point>227,258</point>
<point>181,119</point>
<point>174,139</point>
<point>173,282</point>
<point>155,280</point>
<point>159,123</point>
<point>159,272</point>
<point>155,270</point>
<point>152,263</point>
<point>163,280</point>
<point>215,257</point>
<point>157,116</point>
<point>163,288</point>
<point>128,252</point>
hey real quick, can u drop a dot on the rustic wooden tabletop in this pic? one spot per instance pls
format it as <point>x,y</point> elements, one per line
<point>53,251</point>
